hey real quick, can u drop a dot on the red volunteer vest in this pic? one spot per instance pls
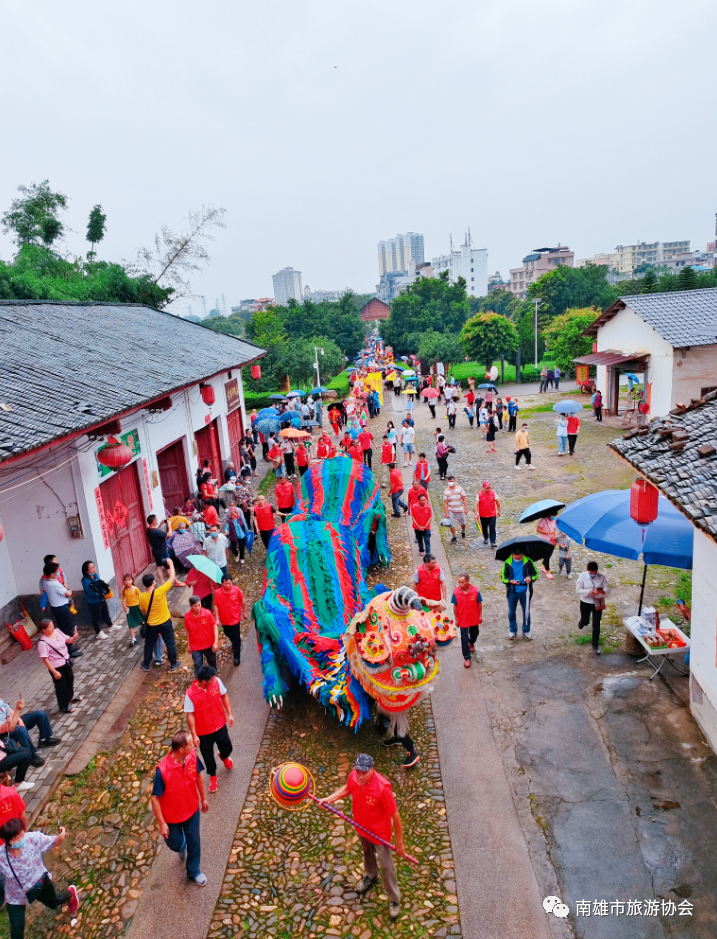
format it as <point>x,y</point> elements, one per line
<point>467,610</point>
<point>486,503</point>
<point>264,517</point>
<point>387,453</point>
<point>209,713</point>
<point>180,799</point>
<point>429,583</point>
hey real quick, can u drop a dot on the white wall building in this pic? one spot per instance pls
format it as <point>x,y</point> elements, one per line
<point>671,338</point>
<point>467,262</point>
<point>170,389</point>
<point>287,285</point>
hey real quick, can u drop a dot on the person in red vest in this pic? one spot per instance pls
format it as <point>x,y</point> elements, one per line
<point>285,499</point>
<point>388,456</point>
<point>230,607</point>
<point>423,471</point>
<point>302,459</point>
<point>468,611</point>
<point>263,519</point>
<point>396,491</point>
<point>356,452</point>
<point>177,795</point>
<point>421,515</point>
<point>202,633</point>
<point>414,492</point>
<point>203,587</point>
<point>346,442</point>
<point>374,806</point>
<point>324,447</point>
<point>487,510</point>
<point>209,711</point>
<point>430,580</point>
<point>366,441</point>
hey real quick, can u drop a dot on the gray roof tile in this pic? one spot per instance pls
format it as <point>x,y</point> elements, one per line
<point>682,317</point>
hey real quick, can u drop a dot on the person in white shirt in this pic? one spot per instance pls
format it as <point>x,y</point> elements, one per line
<point>451,410</point>
<point>408,436</point>
<point>593,588</point>
<point>216,546</point>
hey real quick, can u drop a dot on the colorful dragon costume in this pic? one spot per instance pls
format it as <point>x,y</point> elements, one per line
<point>319,621</point>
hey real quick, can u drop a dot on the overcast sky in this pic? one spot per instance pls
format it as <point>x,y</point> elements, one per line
<point>323,127</point>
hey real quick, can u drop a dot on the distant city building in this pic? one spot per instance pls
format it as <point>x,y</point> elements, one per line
<point>537,263</point>
<point>496,282</point>
<point>698,260</point>
<point>287,285</point>
<point>597,260</point>
<point>395,254</point>
<point>251,306</point>
<point>375,309</point>
<point>318,296</point>
<point>625,258</point>
<point>467,262</point>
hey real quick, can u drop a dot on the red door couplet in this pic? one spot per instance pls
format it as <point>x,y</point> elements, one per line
<point>208,448</point>
<point>173,475</point>
<point>126,524</point>
<point>236,432</point>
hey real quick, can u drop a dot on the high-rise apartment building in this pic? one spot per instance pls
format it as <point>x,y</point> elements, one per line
<point>467,262</point>
<point>625,258</point>
<point>537,263</point>
<point>287,284</point>
<point>395,254</point>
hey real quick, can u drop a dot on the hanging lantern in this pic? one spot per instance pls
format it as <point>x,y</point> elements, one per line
<point>256,372</point>
<point>644,499</point>
<point>208,396</point>
<point>2,533</point>
<point>115,454</point>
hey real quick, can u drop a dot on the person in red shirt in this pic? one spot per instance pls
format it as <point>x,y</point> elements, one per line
<point>324,447</point>
<point>211,516</point>
<point>355,451</point>
<point>302,459</point>
<point>209,491</point>
<point>414,492</point>
<point>366,441</point>
<point>231,610</point>
<point>423,471</point>
<point>209,711</point>
<point>346,442</point>
<point>430,580</point>
<point>177,794</point>
<point>285,499</point>
<point>12,806</point>
<point>203,587</point>
<point>263,519</point>
<point>468,611</point>
<point>374,807</point>
<point>421,515</point>
<point>202,634</point>
<point>573,431</point>
<point>335,421</point>
<point>487,511</point>
<point>396,491</point>
<point>388,457</point>
<point>276,458</point>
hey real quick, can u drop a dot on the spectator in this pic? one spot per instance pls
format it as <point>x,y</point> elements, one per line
<point>59,598</point>
<point>442,451</point>
<point>176,804</point>
<point>468,611</point>
<point>486,511</point>
<point>512,414</point>
<point>573,431</point>
<point>52,649</point>
<point>215,548</point>
<point>483,419</point>
<point>202,634</point>
<point>95,592</point>
<point>155,609</point>
<point>176,518</point>
<point>422,471</point>
<point>388,458</point>
<point>302,458</point>
<point>16,727</point>
<point>543,380</point>
<point>236,529</point>
<point>26,877</point>
<point>522,447</point>
<point>492,430</point>
<point>287,448</point>
<point>276,458</point>
<point>421,515</point>
<point>597,405</point>
<point>430,580</point>
<point>557,375</point>
<point>455,506</point>
<point>130,605</point>
<point>202,587</point>
<point>158,543</point>
<point>592,588</point>
<point>549,378</point>
<point>396,491</point>
<point>408,436</point>
<point>547,529</point>
<point>198,528</point>
<point>565,555</point>
<point>210,496</point>
<point>451,411</point>
<point>366,441</point>
<point>562,433</point>
<point>231,611</point>
<point>264,519</point>
<point>209,716</point>
<point>471,414</point>
<point>499,410</point>
<point>285,499</point>
<point>518,575</point>
<point>230,473</point>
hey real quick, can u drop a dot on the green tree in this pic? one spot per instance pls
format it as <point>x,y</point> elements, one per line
<point>526,336</point>
<point>649,282</point>
<point>95,229</point>
<point>565,336</point>
<point>568,288</point>
<point>34,217</point>
<point>500,301</point>
<point>296,360</point>
<point>489,336</point>
<point>687,279</point>
<point>439,347</point>
<point>433,303</point>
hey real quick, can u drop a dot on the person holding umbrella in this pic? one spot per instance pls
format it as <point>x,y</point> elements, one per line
<point>548,530</point>
<point>518,575</point>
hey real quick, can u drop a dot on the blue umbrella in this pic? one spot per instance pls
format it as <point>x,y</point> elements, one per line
<point>352,369</point>
<point>633,376</point>
<point>277,397</point>
<point>488,384</point>
<point>545,507</point>
<point>296,394</point>
<point>290,417</point>
<point>602,522</point>
<point>267,413</point>
<point>319,390</point>
<point>269,425</point>
<point>567,407</point>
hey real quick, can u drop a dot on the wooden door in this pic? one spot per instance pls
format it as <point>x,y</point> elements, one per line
<point>208,448</point>
<point>126,523</point>
<point>236,432</point>
<point>173,475</point>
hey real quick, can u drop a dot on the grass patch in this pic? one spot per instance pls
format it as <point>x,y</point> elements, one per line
<point>535,810</point>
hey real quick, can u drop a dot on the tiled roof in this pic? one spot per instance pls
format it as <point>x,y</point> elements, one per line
<point>68,366</point>
<point>682,317</point>
<point>678,453</point>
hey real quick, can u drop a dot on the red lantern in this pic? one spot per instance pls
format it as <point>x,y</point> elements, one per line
<point>644,499</point>
<point>115,454</point>
<point>2,533</point>
<point>256,372</point>
<point>208,396</point>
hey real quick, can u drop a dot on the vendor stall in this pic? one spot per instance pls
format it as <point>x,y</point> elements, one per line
<point>661,641</point>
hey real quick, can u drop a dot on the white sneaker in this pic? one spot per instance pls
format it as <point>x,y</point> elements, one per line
<point>570,576</point>
<point>117,626</point>
<point>102,635</point>
<point>527,636</point>
<point>519,466</point>
<point>24,786</point>
<point>530,466</point>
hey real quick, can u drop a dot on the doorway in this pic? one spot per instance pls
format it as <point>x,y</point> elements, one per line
<point>235,427</point>
<point>208,448</point>
<point>173,476</point>
<point>126,524</point>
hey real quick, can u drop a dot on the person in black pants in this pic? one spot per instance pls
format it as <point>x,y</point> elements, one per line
<point>19,760</point>
<point>52,649</point>
<point>209,711</point>
<point>592,587</point>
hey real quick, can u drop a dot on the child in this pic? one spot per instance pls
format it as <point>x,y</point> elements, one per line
<point>565,551</point>
<point>130,604</point>
<point>471,413</point>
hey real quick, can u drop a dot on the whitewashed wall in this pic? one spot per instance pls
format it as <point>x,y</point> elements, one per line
<point>703,637</point>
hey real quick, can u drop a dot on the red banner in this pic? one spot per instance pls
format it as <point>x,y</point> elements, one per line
<point>103,519</point>
<point>582,373</point>
<point>146,484</point>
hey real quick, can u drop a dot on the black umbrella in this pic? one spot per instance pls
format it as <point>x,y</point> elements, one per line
<point>529,545</point>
